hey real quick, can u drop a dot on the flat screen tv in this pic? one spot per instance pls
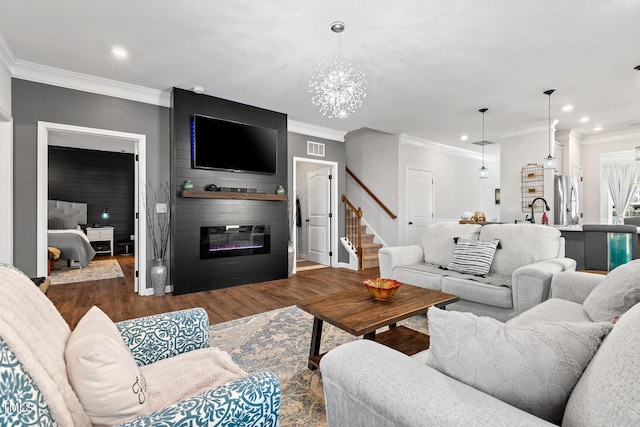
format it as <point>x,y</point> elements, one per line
<point>232,146</point>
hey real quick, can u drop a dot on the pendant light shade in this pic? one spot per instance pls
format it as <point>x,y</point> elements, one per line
<point>549,162</point>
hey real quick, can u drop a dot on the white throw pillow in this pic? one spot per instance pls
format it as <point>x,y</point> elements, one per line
<point>103,373</point>
<point>473,256</point>
<point>616,294</point>
<point>533,368</point>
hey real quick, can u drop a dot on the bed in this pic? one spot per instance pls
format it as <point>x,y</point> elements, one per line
<point>65,232</point>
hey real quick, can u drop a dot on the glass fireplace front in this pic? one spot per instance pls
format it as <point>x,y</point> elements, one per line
<point>234,240</point>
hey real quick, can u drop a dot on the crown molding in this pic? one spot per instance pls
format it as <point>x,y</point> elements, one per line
<point>612,137</point>
<point>564,136</point>
<point>313,130</point>
<point>413,140</point>
<point>7,58</point>
<point>86,83</point>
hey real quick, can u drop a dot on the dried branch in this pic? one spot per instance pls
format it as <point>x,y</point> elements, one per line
<point>159,224</point>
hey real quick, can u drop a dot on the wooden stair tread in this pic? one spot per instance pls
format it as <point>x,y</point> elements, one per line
<point>371,245</point>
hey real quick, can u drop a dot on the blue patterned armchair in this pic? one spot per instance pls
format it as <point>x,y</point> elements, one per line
<point>171,350</point>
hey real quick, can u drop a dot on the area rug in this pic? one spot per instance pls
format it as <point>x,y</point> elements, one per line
<point>96,270</point>
<point>278,341</point>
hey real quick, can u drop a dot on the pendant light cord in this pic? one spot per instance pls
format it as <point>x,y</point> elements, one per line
<point>548,93</point>
<point>550,124</point>
<point>483,138</point>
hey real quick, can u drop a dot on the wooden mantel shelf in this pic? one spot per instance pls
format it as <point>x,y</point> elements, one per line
<point>200,194</point>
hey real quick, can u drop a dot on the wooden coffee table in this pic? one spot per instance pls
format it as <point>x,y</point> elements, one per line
<point>358,313</point>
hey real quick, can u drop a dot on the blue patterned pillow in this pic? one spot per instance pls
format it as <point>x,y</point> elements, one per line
<point>473,256</point>
<point>21,402</point>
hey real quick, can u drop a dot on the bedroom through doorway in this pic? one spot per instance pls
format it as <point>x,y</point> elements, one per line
<point>111,225</point>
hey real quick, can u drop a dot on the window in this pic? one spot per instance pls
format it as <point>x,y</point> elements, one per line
<point>634,204</point>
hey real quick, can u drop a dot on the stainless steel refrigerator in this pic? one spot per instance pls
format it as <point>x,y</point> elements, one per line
<point>567,200</point>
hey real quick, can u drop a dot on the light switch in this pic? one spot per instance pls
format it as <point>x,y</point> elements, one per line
<point>161,208</point>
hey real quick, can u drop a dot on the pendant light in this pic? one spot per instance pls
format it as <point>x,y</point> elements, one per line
<point>549,162</point>
<point>338,87</point>
<point>483,172</point>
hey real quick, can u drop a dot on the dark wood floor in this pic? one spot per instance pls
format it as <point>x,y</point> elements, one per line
<point>117,299</point>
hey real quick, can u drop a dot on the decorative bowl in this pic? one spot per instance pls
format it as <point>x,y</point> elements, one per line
<point>382,289</point>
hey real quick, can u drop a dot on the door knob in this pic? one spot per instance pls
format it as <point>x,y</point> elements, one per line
<point>410,223</point>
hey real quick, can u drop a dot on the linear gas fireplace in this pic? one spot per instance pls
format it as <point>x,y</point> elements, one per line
<point>234,240</point>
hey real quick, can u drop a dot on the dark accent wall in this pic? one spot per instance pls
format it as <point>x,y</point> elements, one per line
<point>189,272</point>
<point>33,102</point>
<point>101,179</point>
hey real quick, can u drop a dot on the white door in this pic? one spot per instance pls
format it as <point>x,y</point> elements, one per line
<point>419,204</point>
<point>318,215</point>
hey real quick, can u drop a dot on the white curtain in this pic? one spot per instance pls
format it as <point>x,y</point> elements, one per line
<point>621,179</point>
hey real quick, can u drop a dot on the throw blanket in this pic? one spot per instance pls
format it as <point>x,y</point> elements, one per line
<point>73,245</point>
<point>36,333</point>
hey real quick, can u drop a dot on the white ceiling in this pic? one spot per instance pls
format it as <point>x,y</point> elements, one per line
<point>430,64</point>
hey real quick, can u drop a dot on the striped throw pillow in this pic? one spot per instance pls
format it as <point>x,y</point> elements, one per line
<point>473,256</point>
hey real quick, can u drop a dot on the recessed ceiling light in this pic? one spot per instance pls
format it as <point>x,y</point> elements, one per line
<point>567,108</point>
<point>584,119</point>
<point>464,137</point>
<point>597,128</point>
<point>119,52</point>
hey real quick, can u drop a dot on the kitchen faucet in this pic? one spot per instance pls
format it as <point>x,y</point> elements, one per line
<point>546,206</point>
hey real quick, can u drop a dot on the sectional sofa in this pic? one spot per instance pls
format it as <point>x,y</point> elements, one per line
<point>572,360</point>
<point>520,270</point>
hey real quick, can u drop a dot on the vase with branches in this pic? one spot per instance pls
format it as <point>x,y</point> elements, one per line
<point>159,226</point>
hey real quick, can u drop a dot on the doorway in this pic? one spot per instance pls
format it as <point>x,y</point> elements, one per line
<point>93,138</point>
<point>419,204</point>
<point>6,190</point>
<point>314,213</point>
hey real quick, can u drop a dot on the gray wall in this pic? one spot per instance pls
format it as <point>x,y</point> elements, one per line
<point>33,102</point>
<point>334,152</point>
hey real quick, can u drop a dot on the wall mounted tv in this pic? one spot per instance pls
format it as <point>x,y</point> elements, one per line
<point>232,146</point>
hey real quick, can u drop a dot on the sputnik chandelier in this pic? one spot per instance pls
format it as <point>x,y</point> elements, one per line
<point>338,87</point>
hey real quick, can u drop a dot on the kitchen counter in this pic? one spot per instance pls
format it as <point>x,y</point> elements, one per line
<point>574,243</point>
<point>575,227</point>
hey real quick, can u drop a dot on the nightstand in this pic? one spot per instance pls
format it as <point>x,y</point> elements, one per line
<point>101,239</point>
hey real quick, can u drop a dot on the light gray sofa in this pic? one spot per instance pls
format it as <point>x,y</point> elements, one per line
<point>368,384</point>
<point>519,278</point>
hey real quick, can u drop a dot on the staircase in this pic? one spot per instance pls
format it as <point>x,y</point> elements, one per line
<point>360,244</point>
<point>369,247</point>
